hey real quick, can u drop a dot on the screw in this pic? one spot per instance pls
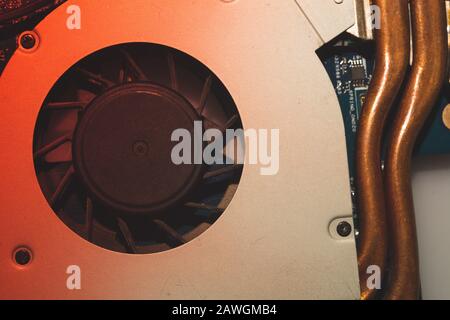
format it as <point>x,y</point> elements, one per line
<point>28,41</point>
<point>344,229</point>
<point>22,256</point>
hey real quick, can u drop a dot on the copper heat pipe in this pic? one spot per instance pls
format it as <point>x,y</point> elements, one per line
<point>427,76</point>
<point>392,59</point>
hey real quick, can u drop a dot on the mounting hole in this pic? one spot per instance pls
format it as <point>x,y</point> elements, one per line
<point>341,228</point>
<point>344,229</point>
<point>28,41</point>
<point>22,256</point>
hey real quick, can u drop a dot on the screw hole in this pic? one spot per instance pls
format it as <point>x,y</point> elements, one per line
<point>22,256</point>
<point>344,229</point>
<point>28,41</point>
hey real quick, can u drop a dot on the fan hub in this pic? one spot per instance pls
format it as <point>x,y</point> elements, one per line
<point>122,148</point>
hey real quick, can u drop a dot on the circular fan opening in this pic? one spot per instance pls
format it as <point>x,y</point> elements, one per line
<point>103,147</point>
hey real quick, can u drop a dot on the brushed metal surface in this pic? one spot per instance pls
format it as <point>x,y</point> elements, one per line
<point>273,240</point>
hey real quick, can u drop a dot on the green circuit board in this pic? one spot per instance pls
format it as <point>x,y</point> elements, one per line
<point>350,69</point>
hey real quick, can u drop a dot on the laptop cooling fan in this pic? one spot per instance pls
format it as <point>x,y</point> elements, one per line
<point>310,195</point>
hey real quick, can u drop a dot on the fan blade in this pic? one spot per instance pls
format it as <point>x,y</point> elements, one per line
<point>126,234</point>
<point>62,188</point>
<point>51,146</point>
<point>204,96</point>
<point>64,122</point>
<point>171,234</point>
<point>223,170</point>
<point>94,78</point>
<point>172,70</point>
<point>70,105</point>
<point>203,206</point>
<point>132,64</point>
<point>89,218</point>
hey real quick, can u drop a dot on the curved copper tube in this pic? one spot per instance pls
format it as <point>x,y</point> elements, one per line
<point>392,57</point>
<point>424,83</point>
